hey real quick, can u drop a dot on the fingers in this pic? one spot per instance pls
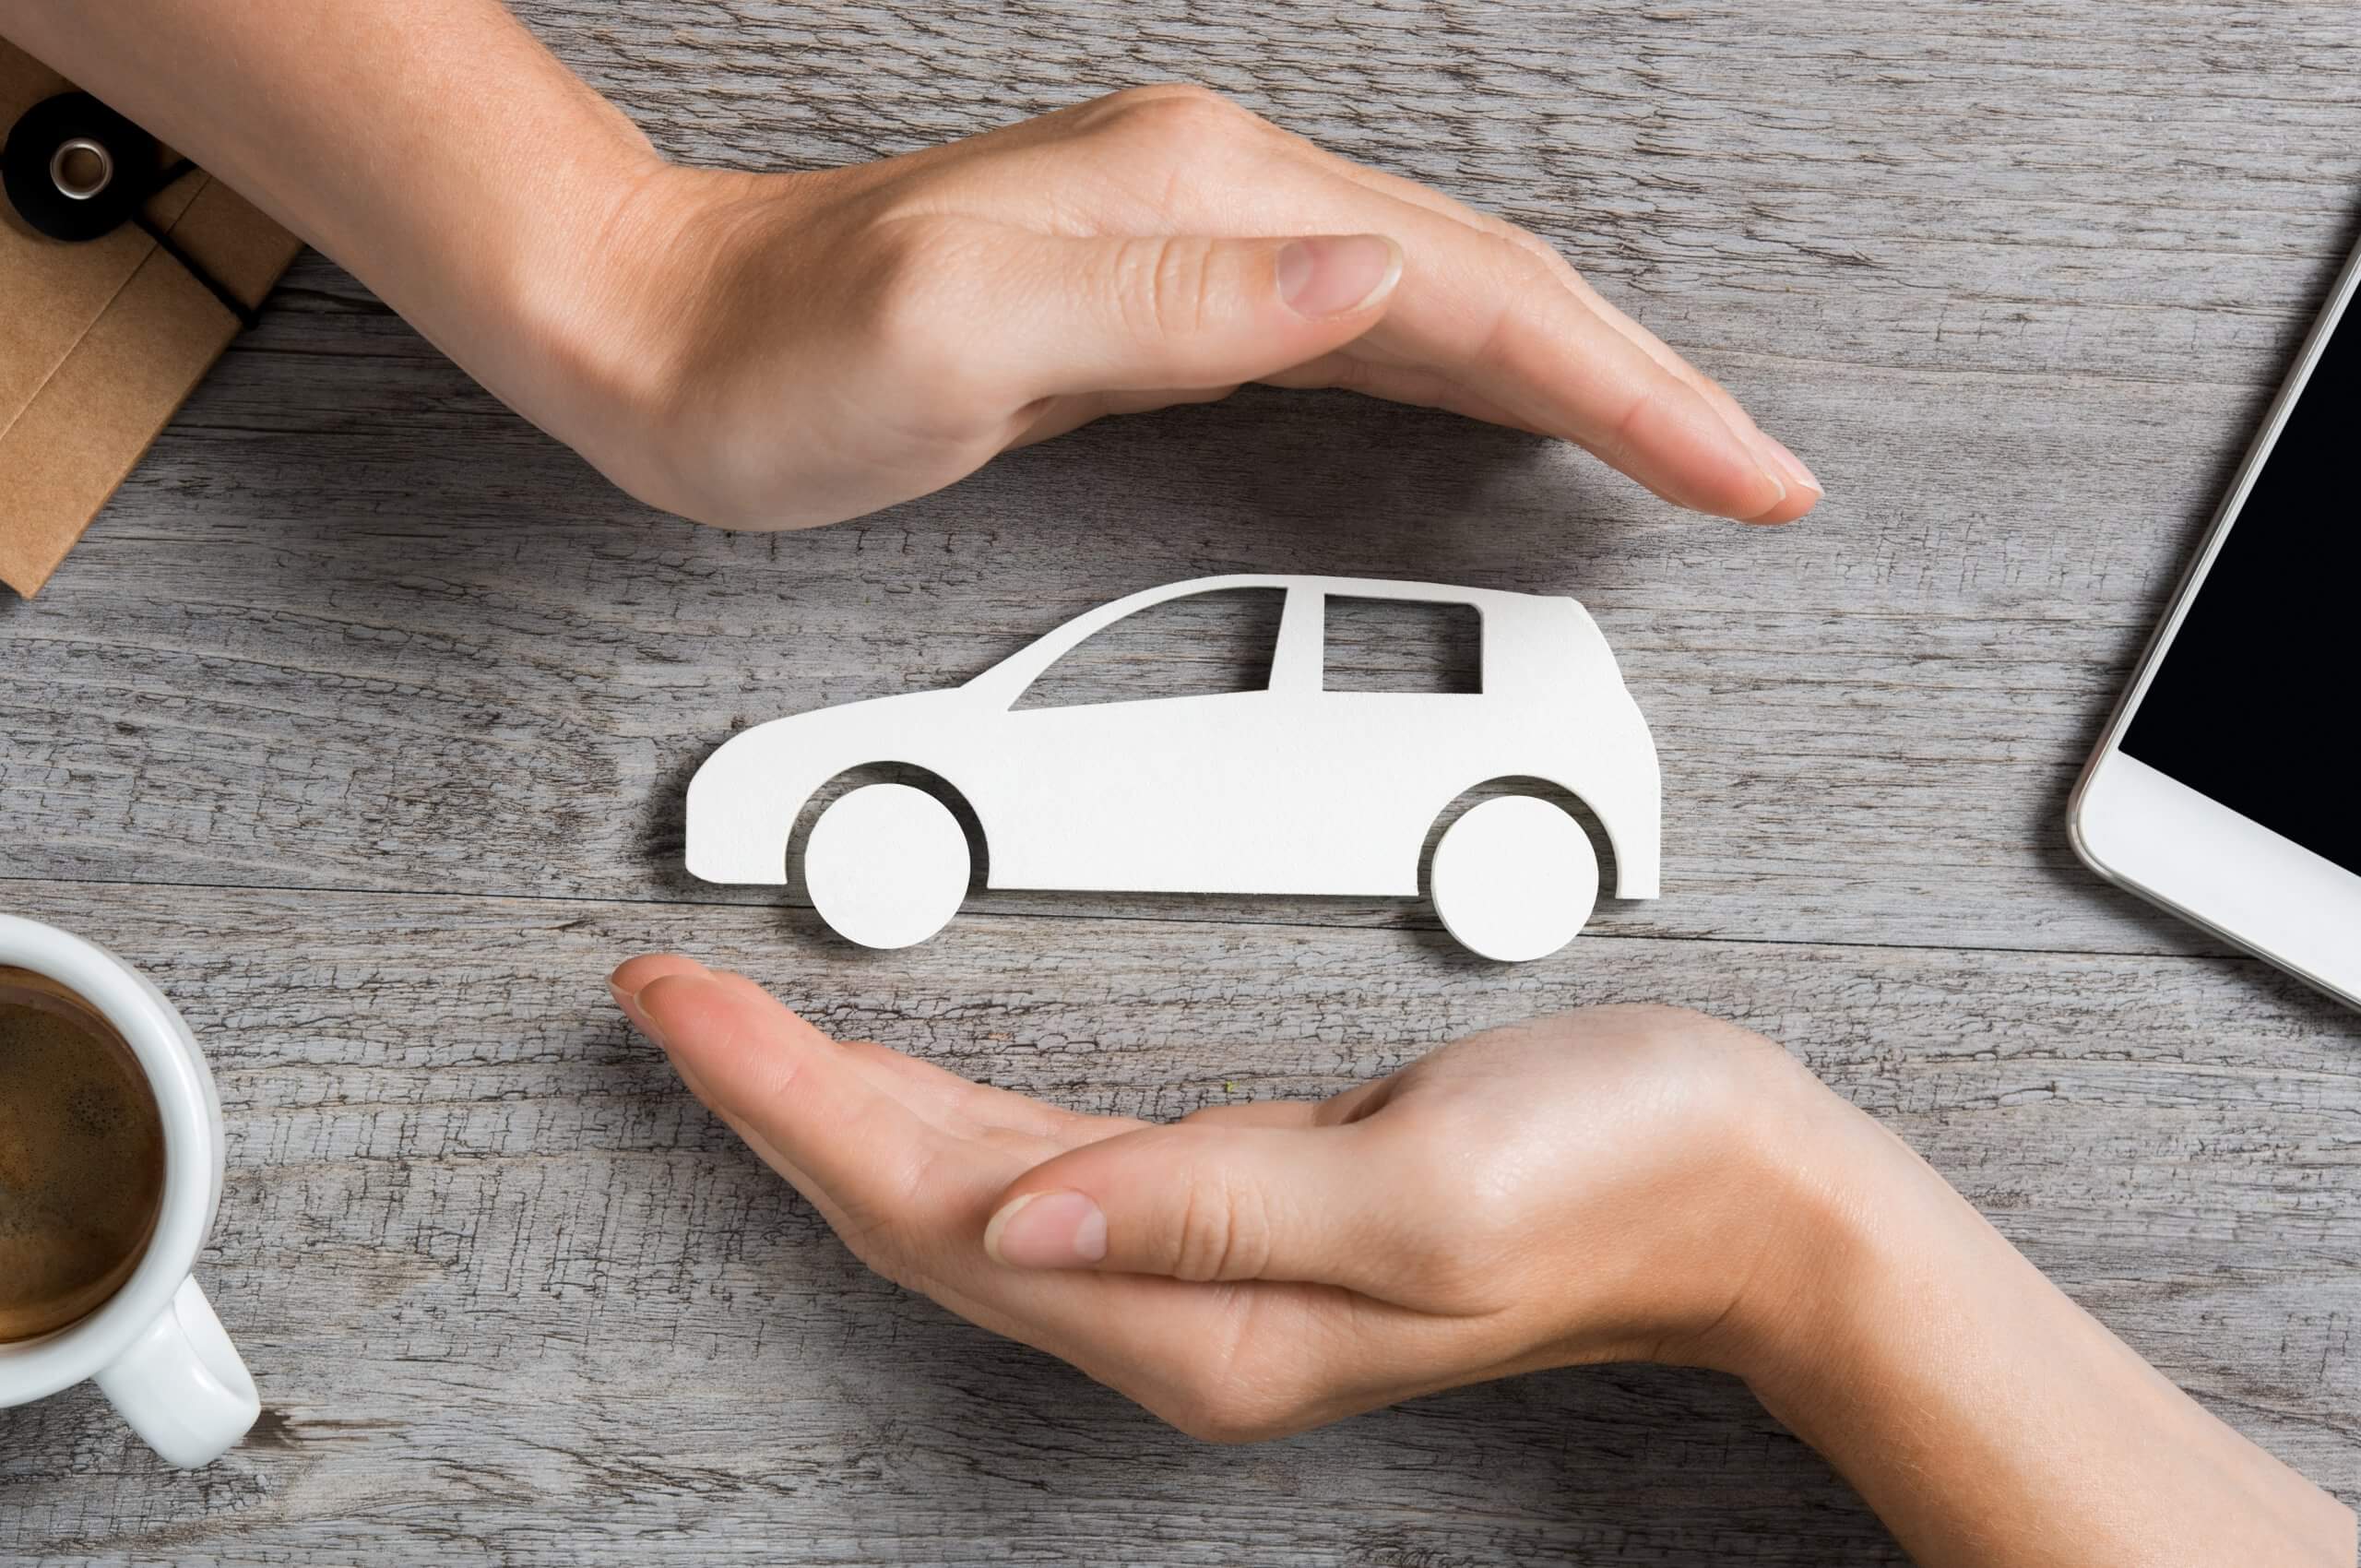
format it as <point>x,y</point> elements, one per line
<point>1489,320</point>
<point>1484,319</point>
<point>1804,487</point>
<point>804,1100</point>
<point>1139,314</point>
<point>855,1128</point>
<point>1400,384</point>
<point>1201,1201</point>
<point>636,973</point>
<point>944,1097</point>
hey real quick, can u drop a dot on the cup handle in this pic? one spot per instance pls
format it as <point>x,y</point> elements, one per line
<point>180,1384</point>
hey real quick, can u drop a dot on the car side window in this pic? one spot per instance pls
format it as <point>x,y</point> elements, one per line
<point>1199,644</point>
<point>1402,645</point>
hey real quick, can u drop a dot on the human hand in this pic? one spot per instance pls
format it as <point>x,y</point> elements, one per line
<point>1619,1182</point>
<point>772,350</point>
<point>1586,1188</point>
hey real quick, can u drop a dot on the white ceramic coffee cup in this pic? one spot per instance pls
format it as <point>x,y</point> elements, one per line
<point>154,1347</point>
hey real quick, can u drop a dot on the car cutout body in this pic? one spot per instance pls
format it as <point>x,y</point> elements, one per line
<point>1287,790</point>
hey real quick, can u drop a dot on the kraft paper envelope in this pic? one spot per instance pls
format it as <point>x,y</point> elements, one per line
<point>101,339</point>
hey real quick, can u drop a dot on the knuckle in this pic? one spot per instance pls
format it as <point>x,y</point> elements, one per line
<point>1182,111</point>
<point>1660,1025</point>
<point>1720,1068</point>
<point>1224,1231</point>
<point>1165,285</point>
<point>1186,148</point>
<point>1658,399</point>
<point>1537,257</point>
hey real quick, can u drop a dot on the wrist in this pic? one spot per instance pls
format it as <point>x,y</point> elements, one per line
<point>1866,1230</point>
<point>592,299</point>
<point>1753,1175</point>
<point>614,321</point>
<point>1969,1400</point>
<point>1810,1230</point>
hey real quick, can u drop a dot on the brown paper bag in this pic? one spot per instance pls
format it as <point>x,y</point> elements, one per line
<point>101,340</point>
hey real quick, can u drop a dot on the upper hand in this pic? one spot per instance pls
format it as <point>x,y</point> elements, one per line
<point>769,351</point>
<point>1590,1187</point>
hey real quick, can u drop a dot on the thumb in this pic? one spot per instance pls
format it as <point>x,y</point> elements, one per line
<point>1204,1202</point>
<point>1148,313</point>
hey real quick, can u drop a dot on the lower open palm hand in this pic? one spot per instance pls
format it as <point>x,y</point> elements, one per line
<point>1563,1190</point>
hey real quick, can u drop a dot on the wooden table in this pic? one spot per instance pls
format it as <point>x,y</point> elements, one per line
<point>361,720</point>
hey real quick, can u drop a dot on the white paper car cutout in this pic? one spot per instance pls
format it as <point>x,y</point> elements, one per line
<point>1290,789</point>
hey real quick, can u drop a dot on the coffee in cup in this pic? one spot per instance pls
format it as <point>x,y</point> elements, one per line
<point>81,1157</point>
<point>112,1156</point>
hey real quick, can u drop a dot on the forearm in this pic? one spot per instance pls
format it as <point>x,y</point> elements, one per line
<point>1988,1418</point>
<point>433,147</point>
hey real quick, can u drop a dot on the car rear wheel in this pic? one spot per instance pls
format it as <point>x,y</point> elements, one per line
<point>1515,878</point>
<point>886,865</point>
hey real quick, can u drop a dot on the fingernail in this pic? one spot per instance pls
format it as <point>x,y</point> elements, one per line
<point>629,1001</point>
<point>1335,275</point>
<point>1048,1231</point>
<point>1791,467</point>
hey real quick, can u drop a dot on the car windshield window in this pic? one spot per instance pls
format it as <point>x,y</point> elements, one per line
<point>1199,644</point>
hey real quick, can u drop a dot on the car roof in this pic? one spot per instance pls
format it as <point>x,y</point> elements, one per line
<point>1350,587</point>
<point>1513,615</point>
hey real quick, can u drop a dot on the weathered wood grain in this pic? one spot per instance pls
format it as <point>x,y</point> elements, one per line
<point>361,719</point>
<point>287,680</point>
<point>511,1294</point>
<point>2018,296</point>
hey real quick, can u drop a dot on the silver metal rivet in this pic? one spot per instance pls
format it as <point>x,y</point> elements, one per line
<point>80,190</point>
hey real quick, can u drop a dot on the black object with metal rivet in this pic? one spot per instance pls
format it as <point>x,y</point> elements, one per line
<point>29,165</point>
<point>33,191</point>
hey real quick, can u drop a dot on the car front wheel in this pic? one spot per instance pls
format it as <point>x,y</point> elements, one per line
<point>886,865</point>
<point>1515,878</point>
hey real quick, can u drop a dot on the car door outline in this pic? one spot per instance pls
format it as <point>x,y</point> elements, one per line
<point>1165,792</point>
